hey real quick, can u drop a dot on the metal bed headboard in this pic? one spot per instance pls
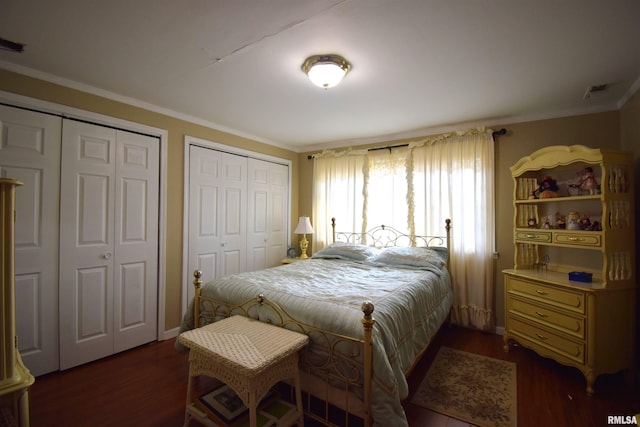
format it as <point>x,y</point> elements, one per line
<point>384,236</point>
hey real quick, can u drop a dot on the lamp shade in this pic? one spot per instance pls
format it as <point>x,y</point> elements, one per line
<point>326,71</point>
<point>304,226</point>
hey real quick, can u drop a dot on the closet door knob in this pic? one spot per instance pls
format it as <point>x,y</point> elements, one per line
<point>106,255</point>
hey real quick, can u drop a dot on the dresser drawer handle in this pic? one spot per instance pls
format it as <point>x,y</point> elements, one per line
<point>530,236</point>
<point>541,314</point>
<point>575,239</point>
<point>541,292</point>
<point>542,337</point>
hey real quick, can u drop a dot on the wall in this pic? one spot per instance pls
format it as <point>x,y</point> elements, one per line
<point>595,130</point>
<point>602,130</point>
<point>177,129</point>
<point>630,140</point>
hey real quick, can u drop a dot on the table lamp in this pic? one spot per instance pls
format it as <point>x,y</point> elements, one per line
<point>304,227</point>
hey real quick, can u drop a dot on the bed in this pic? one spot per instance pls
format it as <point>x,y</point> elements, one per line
<point>357,359</point>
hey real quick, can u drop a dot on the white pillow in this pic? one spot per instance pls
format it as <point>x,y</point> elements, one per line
<point>349,251</point>
<point>410,257</point>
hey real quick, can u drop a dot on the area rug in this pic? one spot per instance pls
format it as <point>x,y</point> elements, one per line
<point>472,388</point>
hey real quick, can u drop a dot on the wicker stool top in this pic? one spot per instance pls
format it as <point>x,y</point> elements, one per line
<point>246,345</point>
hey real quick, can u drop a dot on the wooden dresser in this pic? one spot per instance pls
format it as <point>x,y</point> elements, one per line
<point>15,378</point>
<point>571,293</point>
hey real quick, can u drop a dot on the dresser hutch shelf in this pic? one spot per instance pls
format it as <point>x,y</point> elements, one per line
<point>588,325</point>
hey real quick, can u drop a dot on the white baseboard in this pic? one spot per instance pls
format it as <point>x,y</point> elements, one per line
<point>170,334</point>
<point>498,330</point>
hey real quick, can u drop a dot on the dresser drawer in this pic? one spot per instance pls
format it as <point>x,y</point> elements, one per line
<point>563,298</point>
<point>561,346</point>
<point>578,239</point>
<point>572,325</point>
<point>533,236</point>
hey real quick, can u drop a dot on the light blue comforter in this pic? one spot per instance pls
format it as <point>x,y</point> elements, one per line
<point>410,306</point>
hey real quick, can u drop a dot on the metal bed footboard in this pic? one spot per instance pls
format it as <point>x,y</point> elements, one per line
<point>338,368</point>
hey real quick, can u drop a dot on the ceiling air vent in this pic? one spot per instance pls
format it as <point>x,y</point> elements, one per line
<point>595,90</point>
<point>11,46</point>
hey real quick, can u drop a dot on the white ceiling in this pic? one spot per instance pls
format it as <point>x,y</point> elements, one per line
<point>418,67</point>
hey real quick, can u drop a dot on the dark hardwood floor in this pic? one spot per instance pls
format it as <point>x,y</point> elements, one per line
<point>146,386</point>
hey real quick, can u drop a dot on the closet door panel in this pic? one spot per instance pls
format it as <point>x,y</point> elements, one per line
<point>217,189</point>
<point>94,202</point>
<point>136,240</point>
<point>278,212</point>
<point>86,243</point>
<point>132,308</point>
<point>267,214</point>
<point>233,246</point>
<point>30,152</point>
<point>232,214</point>
<point>91,292</point>
<point>28,238</point>
<point>29,293</point>
<point>205,168</point>
<point>208,237</point>
<point>258,216</point>
<point>109,242</point>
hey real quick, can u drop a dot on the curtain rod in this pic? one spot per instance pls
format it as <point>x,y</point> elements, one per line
<point>495,133</point>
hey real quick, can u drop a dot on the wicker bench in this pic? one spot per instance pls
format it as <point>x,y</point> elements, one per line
<point>247,355</point>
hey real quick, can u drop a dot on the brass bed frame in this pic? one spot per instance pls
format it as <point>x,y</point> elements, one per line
<point>206,310</point>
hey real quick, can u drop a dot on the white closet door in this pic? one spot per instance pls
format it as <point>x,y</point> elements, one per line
<point>108,242</point>
<point>30,152</point>
<point>278,213</point>
<point>266,214</point>
<point>232,218</point>
<point>204,237</point>
<point>136,240</point>
<point>86,243</point>
<point>217,213</point>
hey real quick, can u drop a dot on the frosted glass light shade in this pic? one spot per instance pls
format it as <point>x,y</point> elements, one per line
<point>326,75</point>
<point>326,71</point>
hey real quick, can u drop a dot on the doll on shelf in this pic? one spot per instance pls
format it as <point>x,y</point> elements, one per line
<point>589,182</point>
<point>548,188</point>
<point>584,182</point>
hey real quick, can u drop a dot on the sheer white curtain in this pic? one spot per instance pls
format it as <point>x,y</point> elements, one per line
<point>338,192</point>
<point>416,189</point>
<point>386,189</point>
<point>454,178</point>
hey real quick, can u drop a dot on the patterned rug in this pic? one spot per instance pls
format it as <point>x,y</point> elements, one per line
<point>477,389</point>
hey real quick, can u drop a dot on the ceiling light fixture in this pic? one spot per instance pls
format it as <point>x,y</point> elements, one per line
<point>326,71</point>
